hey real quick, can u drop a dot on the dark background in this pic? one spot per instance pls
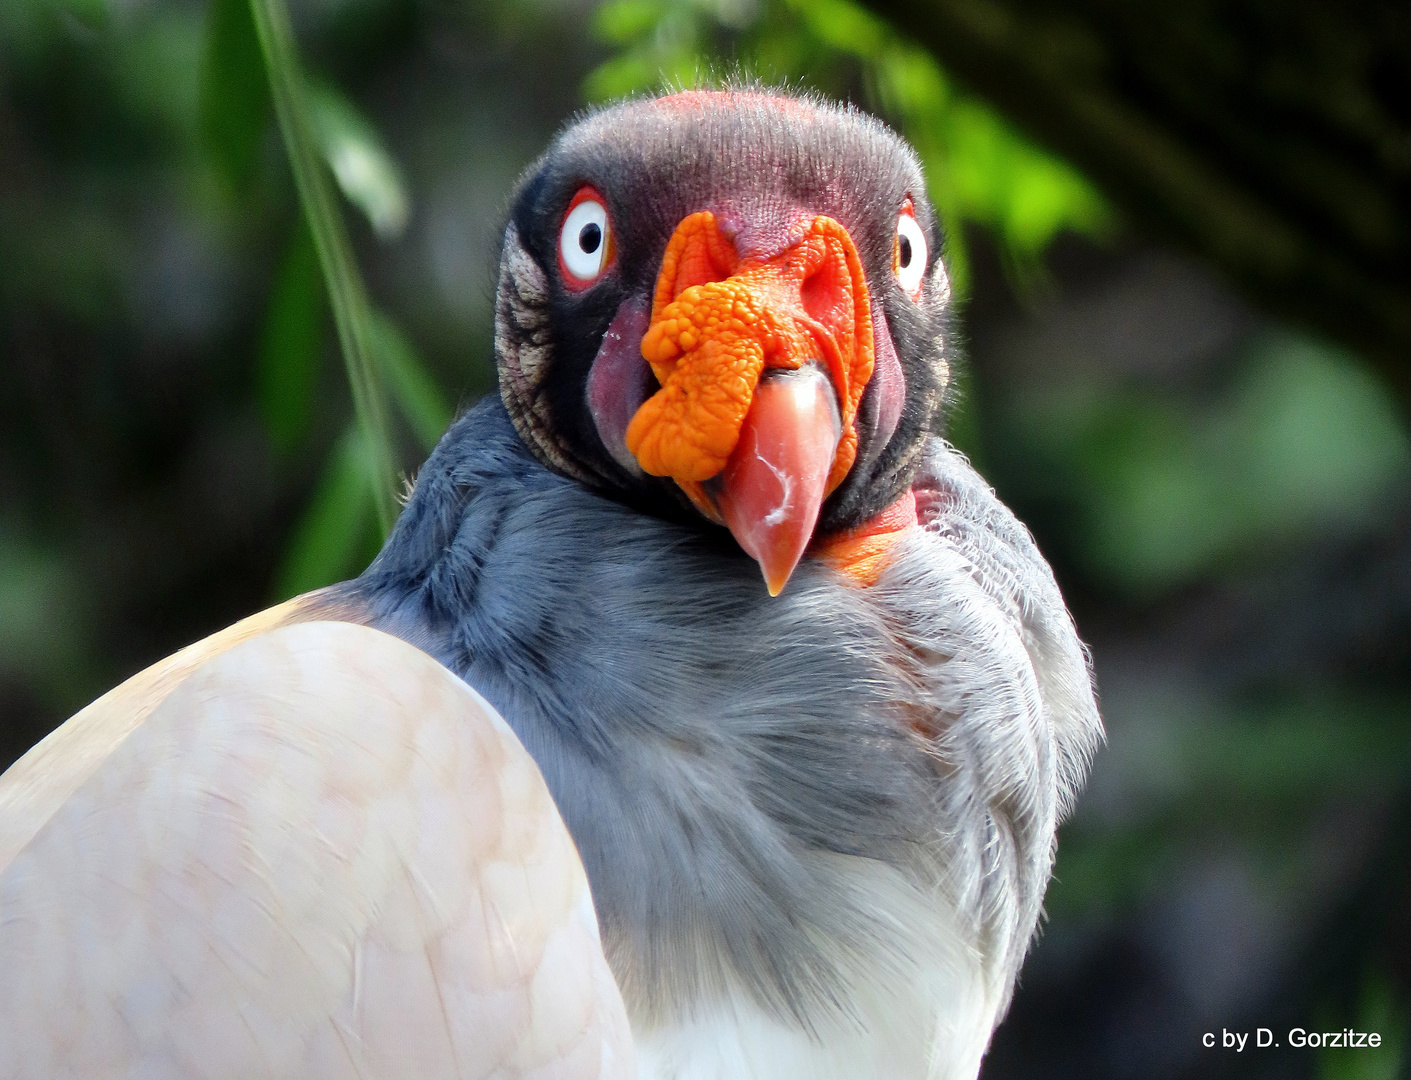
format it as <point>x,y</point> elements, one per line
<point>1180,234</point>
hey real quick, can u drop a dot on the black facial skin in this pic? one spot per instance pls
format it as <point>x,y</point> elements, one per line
<point>759,162</point>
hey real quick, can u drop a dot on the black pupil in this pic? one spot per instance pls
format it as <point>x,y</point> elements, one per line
<point>590,237</point>
<point>905,244</point>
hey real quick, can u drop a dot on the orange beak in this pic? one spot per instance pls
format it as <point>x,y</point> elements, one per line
<point>741,348</point>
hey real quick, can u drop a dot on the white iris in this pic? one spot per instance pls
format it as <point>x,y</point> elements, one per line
<point>911,253</point>
<point>583,243</point>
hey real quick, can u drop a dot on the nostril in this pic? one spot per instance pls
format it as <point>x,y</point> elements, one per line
<point>698,253</point>
<point>827,294</point>
<point>698,268</point>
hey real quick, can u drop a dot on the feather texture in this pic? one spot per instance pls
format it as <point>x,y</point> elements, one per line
<point>317,855</point>
<point>817,828</point>
<point>796,813</point>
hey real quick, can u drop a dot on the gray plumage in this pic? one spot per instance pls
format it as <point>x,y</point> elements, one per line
<point>710,747</point>
<point>802,800</point>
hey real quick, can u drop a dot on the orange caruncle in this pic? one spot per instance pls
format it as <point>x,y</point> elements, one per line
<point>717,323</point>
<point>863,553</point>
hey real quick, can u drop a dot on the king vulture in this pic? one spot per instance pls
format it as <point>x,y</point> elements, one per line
<point>705,716</point>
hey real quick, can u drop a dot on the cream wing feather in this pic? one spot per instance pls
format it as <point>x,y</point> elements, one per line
<point>299,850</point>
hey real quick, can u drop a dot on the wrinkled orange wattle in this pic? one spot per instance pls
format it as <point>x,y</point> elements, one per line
<point>863,553</point>
<point>718,322</point>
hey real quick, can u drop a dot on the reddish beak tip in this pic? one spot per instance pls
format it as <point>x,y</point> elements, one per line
<point>775,481</point>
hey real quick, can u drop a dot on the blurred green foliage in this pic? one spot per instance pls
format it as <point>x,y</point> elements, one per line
<point>1248,776</point>
<point>340,526</point>
<point>979,169</point>
<point>235,101</point>
<point>1162,489</point>
<point>291,342</point>
<point>1149,488</point>
<point>309,136</point>
<point>1382,1009</point>
<point>322,129</point>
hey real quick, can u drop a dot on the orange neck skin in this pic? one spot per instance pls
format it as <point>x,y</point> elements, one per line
<point>863,553</point>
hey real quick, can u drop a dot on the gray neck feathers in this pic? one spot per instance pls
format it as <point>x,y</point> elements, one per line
<point>728,763</point>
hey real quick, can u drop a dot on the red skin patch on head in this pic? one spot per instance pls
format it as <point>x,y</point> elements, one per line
<point>619,382</point>
<point>889,383</point>
<point>699,100</point>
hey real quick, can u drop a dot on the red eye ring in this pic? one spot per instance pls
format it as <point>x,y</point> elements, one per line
<point>909,251</point>
<point>585,246</point>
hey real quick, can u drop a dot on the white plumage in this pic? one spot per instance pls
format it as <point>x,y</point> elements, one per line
<point>300,851</point>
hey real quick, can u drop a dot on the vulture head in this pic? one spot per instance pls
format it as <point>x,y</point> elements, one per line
<point>731,306</point>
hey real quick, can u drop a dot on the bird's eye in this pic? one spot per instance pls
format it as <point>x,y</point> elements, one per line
<point>585,241</point>
<point>909,255</point>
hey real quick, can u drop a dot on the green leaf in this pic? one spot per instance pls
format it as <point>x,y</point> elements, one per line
<point>912,83</point>
<point>42,609</point>
<point>1167,487</point>
<point>1001,179</point>
<point>1046,197</point>
<point>619,77</point>
<point>621,22</point>
<point>346,292</point>
<point>235,101</point>
<point>845,26</point>
<point>414,390</point>
<point>291,342</point>
<point>330,539</point>
<point>1383,1009</point>
<point>364,169</point>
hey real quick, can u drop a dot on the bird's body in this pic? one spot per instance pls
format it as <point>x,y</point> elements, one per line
<point>817,826</point>
<point>752,781</point>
